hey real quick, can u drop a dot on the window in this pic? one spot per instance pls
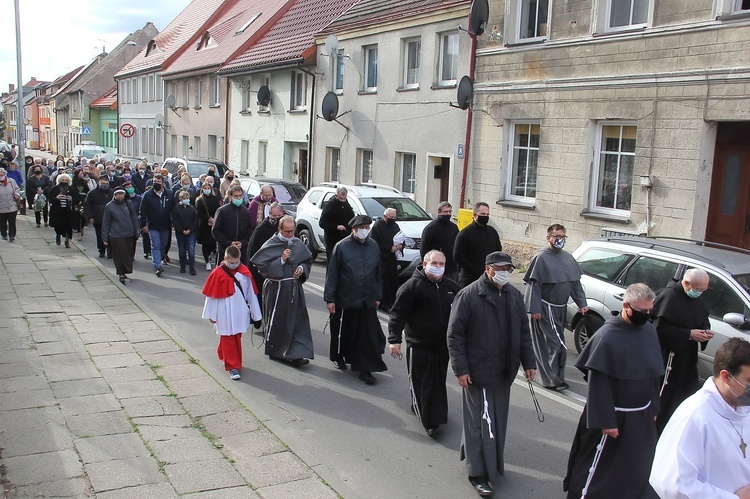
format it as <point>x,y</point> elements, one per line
<point>371,68</point>
<point>408,172</point>
<point>365,165</point>
<point>215,91</point>
<point>624,14</point>
<point>652,272</point>
<point>613,169</point>
<point>144,140</point>
<point>603,263</point>
<point>173,145</point>
<point>128,96</point>
<point>299,90</point>
<point>144,89</point>
<point>197,146</point>
<point>244,155</point>
<point>533,19</point>
<point>185,145</point>
<point>334,164</point>
<point>212,146</point>
<point>151,140</point>
<point>411,63</point>
<point>134,88</point>
<point>151,88</point>
<point>448,66</point>
<point>524,157</point>
<point>247,24</point>
<point>262,156</point>
<point>159,87</point>
<point>339,87</point>
<point>729,7</point>
<point>246,97</point>
<point>185,93</point>
<point>159,140</point>
<point>120,93</point>
<point>721,298</point>
<point>198,92</point>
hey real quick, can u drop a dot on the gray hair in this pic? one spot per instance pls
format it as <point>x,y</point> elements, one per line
<point>638,292</point>
<point>275,205</point>
<point>60,164</point>
<point>389,209</point>
<point>3,171</point>
<point>342,190</point>
<point>695,275</point>
<point>444,204</point>
<point>428,256</point>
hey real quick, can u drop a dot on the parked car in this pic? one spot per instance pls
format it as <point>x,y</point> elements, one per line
<point>370,199</point>
<point>88,150</point>
<point>195,166</point>
<point>288,192</point>
<point>611,264</point>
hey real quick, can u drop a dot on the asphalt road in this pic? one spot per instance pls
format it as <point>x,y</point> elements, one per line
<point>362,439</point>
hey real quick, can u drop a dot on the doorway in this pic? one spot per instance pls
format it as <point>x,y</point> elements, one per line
<point>438,181</point>
<point>728,219</point>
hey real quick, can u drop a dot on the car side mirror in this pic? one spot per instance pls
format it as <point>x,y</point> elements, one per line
<point>737,320</point>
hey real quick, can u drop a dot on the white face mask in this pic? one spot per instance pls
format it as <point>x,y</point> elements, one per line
<point>284,238</point>
<point>501,277</point>
<point>231,265</point>
<point>434,270</point>
<point>362,233</point>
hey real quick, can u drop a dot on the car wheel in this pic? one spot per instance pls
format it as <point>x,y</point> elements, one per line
<point>306,237</point>
<point>585,328</point>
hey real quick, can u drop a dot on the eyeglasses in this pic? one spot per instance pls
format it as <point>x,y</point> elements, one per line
<point>509,268</point>
<point>290,231</point>
<point>554,236</point>
<point>642,311</point>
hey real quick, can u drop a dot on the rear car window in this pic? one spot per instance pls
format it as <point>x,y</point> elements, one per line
<point>655,273</point>
<point>603,263</point>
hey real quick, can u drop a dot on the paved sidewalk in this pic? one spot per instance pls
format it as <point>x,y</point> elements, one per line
<point>96,400</point>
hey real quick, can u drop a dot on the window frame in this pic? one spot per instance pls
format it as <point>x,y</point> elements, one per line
<point>605,13</point>
<point>339,72</point>
<point>185,94</point>
<point>440,76</point>
<point>510,187</point>
<point>407,42</point>
<point>334,166</point>
<point>198,96</point>
<point>518,16</point>
<point>597,168</point>
<point>361,169</point>
<point>298,100</point>
<point>215,91</point>
<point>402,164</point>
<point>368,57</point>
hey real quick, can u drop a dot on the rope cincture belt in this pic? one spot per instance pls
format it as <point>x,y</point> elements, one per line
<point>551,319</point>
<point>667,370</point>
<point>600,448</point>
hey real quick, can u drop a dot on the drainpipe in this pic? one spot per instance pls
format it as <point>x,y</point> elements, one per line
<point>226,126</point>
<point>310,134</point>
<point>467,140</point>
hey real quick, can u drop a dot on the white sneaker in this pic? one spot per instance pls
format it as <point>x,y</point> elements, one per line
<point>208,266</point>
<point>234,374</point>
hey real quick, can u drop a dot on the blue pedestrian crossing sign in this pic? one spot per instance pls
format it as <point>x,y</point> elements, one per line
<point>85,130</point>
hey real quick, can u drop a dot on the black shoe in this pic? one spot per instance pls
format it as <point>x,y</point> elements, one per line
<point>147,255</point>
<point>182,270</point>
<point>340,365</point>
<point>57,239</point>
<point>38,226</point>
<point>101,254</point>
<point>67,242</point>
<point>109,254</point>
<point>368,378</point>
<point>431,431</point>
<point>300,362</point>
<point>159,272</point>
<point>481,486</point>
<point>562,386</point>
<point>12,239</point>
<point>192,271</point>
<point>167,260</point>
<point>122,279</point>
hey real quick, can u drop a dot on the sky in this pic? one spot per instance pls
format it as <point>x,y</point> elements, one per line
<point>58,36</point>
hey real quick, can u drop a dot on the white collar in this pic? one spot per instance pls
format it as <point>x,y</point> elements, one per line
<point>720,405</point>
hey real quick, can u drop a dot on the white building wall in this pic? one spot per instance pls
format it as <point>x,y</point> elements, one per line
<point>140,111</point>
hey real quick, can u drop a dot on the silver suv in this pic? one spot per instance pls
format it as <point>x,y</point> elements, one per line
<point>370,199</point>
<point>610,265</point>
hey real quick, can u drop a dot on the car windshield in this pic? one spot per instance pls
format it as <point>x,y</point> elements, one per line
<point>744,280</point>
<point>406,209</point>
<point>89,153</point>
<point>197,168</point>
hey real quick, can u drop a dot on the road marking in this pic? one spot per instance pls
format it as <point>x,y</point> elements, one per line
<point>567,398</point>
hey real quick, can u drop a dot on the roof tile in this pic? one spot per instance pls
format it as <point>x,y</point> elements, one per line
<point>107,101</point>
<point>371,12</point>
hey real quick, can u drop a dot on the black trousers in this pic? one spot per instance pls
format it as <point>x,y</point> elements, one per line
<point>8,224</point>
<point>99,243</point>
<point>38,215</point>
<point>428,367</point>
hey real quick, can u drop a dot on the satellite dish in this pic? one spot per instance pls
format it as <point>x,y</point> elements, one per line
<point>159,119</point>
<point>169,101</point>
<point>264,96</point>
<point>332,45</point>
<point>330,106</point>
<point>478,16</point>
<point>465,93</point>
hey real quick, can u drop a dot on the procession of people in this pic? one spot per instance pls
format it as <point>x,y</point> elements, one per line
<point>648,428</point>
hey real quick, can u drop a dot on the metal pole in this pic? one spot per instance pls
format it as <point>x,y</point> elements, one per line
<point>20,120</point>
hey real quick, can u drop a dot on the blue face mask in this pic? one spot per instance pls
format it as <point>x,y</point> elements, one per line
<point>206,192</point>
<point>693,293</point>
<point>186,202</point>
<point>237,202</point>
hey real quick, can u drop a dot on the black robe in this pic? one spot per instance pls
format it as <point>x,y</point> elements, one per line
<point>382,233</point>
<point>623,366</point>
<point>675,314</point>
<point>64,218</point>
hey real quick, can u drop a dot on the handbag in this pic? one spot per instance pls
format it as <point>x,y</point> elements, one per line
<point>19,203</point>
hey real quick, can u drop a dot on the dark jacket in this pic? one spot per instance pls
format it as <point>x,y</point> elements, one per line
<point>96,201</point>
<point>422,310</point>
<point>474,340</point>
<point>473,244</point>
<point>184,218</point>
<point>156,211</point>
<point>440,235</point>
<point>353,278</point>
<point>206,207</point>
<point>335,213</point>
<point>119,220</point>
<point>231,223</point>
<point>32,183</point>
<point>190,189</point>
<point>139,182</point>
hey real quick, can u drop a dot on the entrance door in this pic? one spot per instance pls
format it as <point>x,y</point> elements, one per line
<point>302,167</point>
<point>729,209</point>
<point>438,181</point>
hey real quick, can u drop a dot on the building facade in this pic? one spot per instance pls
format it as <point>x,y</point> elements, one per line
<point>614,117</point>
